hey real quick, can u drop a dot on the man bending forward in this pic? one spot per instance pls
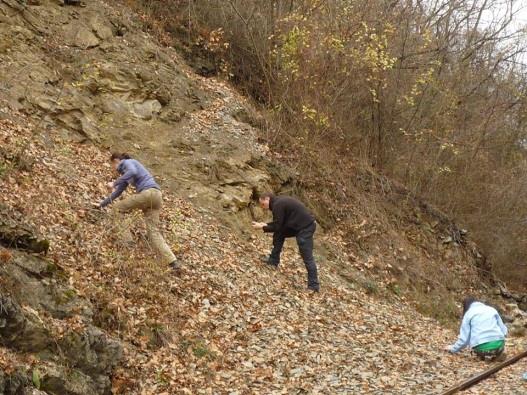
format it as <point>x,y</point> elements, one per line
<point>290,219</point>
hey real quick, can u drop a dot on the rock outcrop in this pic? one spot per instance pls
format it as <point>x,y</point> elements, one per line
<point>14,234</point>
<point>93,75</point>
<point>42,316</point>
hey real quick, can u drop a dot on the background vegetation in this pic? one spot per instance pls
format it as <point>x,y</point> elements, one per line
<point>432,94</point>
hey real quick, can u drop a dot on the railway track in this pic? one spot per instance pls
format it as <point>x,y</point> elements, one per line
<point>485,374</point>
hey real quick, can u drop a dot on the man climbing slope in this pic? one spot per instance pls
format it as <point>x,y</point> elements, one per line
<point>148,199</point>
<point>290,219</point>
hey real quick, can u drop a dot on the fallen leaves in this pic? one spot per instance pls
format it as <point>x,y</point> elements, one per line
<point>5,255</point>
<point>227,324</point>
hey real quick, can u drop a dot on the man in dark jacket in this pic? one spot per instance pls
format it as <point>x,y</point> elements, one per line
<point>290,219</point>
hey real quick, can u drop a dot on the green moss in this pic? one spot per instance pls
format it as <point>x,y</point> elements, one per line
<point>3,168</point>
<point>39,246</point>
<point>158,335</point>
<point>395,288</point>
<point>36,378</point>
<point>370,287</point>
<point>51,268</point>
<point>162,377</point>
<point>65,296</point>
<point>70,294</point>
<point>200,350</point>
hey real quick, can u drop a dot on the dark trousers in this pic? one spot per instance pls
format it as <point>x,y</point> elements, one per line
<point>304,239</point>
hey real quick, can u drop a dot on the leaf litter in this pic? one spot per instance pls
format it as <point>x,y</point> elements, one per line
<point>227,324</point>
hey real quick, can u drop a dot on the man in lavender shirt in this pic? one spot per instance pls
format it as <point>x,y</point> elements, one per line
<point>148,199</point>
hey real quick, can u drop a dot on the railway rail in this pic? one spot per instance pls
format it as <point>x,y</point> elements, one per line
<point>485,374</point>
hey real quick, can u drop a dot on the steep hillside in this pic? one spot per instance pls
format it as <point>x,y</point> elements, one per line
<point>75,82</point>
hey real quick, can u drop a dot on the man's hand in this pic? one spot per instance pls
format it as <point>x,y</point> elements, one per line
<point>110,186</point>
<point>259,225</point>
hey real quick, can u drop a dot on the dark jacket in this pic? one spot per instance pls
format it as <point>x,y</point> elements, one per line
<point>289,216</point>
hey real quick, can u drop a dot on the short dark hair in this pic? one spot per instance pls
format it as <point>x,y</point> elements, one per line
<point>467,302</point>
<point>120,156</point>
<point>265,195</point>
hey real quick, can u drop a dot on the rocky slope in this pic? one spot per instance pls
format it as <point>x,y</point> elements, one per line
<point>77,81</point>
<point>92,74</point>
<point>43,318</point>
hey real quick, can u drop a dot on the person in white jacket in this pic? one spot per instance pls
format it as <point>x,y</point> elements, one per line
<point>482,329</point>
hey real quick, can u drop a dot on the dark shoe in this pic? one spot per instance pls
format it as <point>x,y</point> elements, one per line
<point>501,358</point>
<point>265,259</point>
<point>175,266</point>
<point>77,3</point>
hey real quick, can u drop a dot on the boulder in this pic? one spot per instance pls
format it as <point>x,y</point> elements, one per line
<point>15,234</point>
<point>94,354</point>
<point>113,105</point>
<point>111,77</point>
<point>512,310</point>
<point>58,380</point>
<point>504,291</point>
<point>162,94</point>
<point>91,351</point>
<point>518,328</point>
<point>236,198</point>
<point>33,290</point>
<point>27,280</point>
<point>147,109</point>
<point>516,319</point>
<point>89,129</point>
<point>22,329</point>
<point>79,35</point>
<point>101,27</point>
<point>14,383</point>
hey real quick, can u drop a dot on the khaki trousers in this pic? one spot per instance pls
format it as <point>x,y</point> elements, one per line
<point>149,202</point>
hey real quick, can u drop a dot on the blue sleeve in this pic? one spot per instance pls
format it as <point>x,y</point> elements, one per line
<point>121,183</point>
<point>464,336</point>
<point>129,171</point>
<point>501,325</point>
<point>115,194</point>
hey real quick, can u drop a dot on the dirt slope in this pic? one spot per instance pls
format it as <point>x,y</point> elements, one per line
<point>76,81</point>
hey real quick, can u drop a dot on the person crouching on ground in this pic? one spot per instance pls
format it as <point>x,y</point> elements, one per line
<point>290,219</point>
<point>148,199</point>
<point>482,329</point>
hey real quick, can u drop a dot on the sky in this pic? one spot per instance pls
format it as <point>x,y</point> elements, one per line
<point>502,7</point>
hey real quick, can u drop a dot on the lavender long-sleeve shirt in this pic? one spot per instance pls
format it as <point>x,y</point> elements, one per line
<point>132,173</point>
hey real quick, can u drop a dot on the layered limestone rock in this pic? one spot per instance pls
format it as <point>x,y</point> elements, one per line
<point>36,304</point>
